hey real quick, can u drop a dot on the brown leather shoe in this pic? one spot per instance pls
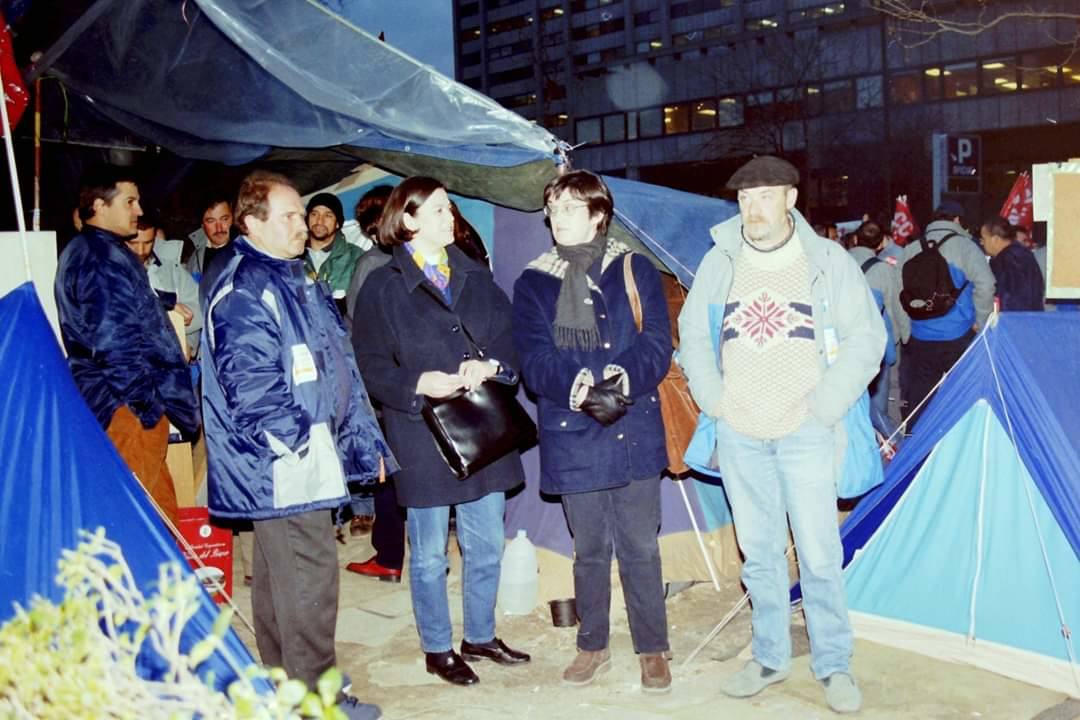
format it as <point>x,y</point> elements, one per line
<point>586,666</point>
<point>655,673</point>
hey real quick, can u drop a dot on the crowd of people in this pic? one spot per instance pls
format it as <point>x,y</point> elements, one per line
<point>315,358</point>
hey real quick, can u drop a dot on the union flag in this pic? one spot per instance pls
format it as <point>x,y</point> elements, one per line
<point>903,222</point>
<point>1018,208</point>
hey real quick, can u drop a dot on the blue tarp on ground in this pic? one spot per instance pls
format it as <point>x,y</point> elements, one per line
<point>61,474</point>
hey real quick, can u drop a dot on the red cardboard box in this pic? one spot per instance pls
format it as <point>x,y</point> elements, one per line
<point>211,544</point>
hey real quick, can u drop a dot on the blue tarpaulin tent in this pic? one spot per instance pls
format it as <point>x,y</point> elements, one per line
<point>970,549</point>
<point>61,474</point>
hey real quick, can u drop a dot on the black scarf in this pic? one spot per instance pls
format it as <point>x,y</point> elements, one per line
<point>575,322</point>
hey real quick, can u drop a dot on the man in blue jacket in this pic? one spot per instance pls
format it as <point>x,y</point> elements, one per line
<point>288,423</point>
<point>124,355</point>
<point>780,335</point>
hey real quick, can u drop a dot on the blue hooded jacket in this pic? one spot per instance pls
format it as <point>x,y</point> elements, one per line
<point>278,441</point>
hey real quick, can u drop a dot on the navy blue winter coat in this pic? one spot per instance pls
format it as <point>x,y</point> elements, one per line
<point>578,454</point>
<point>273,394</point>
<point>403,328</point>
<point>121,347</point>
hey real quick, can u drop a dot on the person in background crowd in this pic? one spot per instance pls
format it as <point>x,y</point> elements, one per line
<point>330,257</point>
<point>1017,276</point>
<point>937,343</point>
<point>602,445</point>
<point>779,387</point>
<point>172,283</point>
<point>288,424</point>
<point>210,241</point>
<point>884,282</point>
<point>424,318</point>
<point>124,355</point>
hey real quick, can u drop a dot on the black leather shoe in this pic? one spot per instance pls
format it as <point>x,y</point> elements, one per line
<point>450,667</point>
<point>495,650</point>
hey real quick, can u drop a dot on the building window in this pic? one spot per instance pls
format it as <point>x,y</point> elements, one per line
<point>834,190</point>
<point>765,23</point>
<point>1039,70</point>
<point>505,51</point>
<point>554,91</point>
<point>961,80</point>
<point>631,125</point>
<point>868,92</point>
<point>650,122</point>
<point>598,29</point>
<point>676,119</point>
<point>469,9</point>
<point>551,39</point>
<point>998,76</point>
<point>509,76</point>
<point>551,14</point>
<point>514,23</point>
<point>816,13</point>
<point>729,112</point>
<point>555,121</point>
<point>645,46</point>
<point>472,58</point>
<point>838,96</point>
<point>516,101</point>
<point>579,5</point>
<point>814,100</point>
<point>696,7</point>
<point>588,131</point>
<point>586,59</point>
<point>646,17</point>
<point>905,88</point>
<point>758,107</point>
<point>704,115</point>
<point>614,127</point>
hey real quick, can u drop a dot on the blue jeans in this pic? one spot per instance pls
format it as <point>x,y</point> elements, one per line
<point>480,535</point>
<point>623,520</point>
<point>768,483</point>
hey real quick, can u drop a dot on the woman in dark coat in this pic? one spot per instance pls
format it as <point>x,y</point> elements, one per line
<point>412,340</point>
<point>602,442</point>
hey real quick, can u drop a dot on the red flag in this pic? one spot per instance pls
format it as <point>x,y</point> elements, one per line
<point>15,94</point>
<point>1017,208</point>
<point>903,222</point>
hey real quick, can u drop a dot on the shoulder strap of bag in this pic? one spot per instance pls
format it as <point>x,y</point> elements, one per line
<point>871,262</point>
<point>631,290</point>
<point>472,341</point>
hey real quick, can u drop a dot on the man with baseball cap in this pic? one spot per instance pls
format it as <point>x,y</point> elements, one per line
<point>780,335</point>
<point>329,257</point>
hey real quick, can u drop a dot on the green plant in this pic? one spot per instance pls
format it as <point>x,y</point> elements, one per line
<point>78,658</point>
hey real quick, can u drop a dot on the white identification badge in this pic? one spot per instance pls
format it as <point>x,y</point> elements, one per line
<point>832,345</point>
<point>303,365</point>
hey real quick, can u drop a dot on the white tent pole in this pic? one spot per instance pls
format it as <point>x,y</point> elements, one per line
<point>697,534</point>
<point>979,527</point>
<point>10,147</point>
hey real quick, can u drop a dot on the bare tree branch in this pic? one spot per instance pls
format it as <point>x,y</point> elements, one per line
<point>919,22</point>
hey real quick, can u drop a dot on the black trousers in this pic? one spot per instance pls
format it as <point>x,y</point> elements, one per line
<point>388,532</point>
<point>927,361</point>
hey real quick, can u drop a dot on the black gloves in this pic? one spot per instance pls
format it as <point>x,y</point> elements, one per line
<point>604,403</point>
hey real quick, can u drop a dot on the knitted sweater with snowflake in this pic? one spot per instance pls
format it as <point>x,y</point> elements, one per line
<point>769,355</point>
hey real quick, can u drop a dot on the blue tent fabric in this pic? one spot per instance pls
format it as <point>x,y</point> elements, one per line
<point>1034,357</point>
<point>61,474</point>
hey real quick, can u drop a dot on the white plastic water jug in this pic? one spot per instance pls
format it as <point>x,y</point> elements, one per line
<point>519,579</point>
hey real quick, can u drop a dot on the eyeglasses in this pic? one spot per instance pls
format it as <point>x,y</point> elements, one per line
<point>569,208</point>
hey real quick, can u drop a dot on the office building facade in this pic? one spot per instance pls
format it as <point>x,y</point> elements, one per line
<point>680,92</point>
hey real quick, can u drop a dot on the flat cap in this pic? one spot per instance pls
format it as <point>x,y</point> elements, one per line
<point>950,208</point>
<point>764,171</point>
<point>331,202</point>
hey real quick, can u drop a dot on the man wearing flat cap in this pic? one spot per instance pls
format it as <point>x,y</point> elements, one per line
<point>780,335</point>
<point>330,257</point>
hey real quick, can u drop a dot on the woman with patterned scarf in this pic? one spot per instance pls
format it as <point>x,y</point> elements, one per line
<point>601,435</point>
<point>434,322</point>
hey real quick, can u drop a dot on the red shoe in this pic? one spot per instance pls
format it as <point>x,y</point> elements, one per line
<point>372,568</point>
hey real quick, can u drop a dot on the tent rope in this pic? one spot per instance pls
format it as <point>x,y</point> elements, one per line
<point>1065,631</point>
<point>980,517</point>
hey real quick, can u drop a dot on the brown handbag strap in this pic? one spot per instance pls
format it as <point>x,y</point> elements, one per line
<point>631,290</point>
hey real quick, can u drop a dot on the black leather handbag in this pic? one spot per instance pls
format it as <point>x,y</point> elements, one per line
<point>474,428</point>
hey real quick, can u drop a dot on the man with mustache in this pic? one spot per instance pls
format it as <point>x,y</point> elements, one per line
<point>288,424</point>
<point>780,335</point>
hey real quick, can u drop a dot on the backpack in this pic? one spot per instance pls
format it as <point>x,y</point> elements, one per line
<point>890,342</point>
<point>928,289</point>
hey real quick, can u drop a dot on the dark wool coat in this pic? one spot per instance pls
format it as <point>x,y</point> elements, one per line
<point>578,454</point>
<point>404,328</point>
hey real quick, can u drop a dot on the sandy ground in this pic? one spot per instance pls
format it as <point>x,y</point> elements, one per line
<point>378,646</point>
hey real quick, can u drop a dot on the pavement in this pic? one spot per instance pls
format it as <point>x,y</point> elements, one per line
<point>377,646</point>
